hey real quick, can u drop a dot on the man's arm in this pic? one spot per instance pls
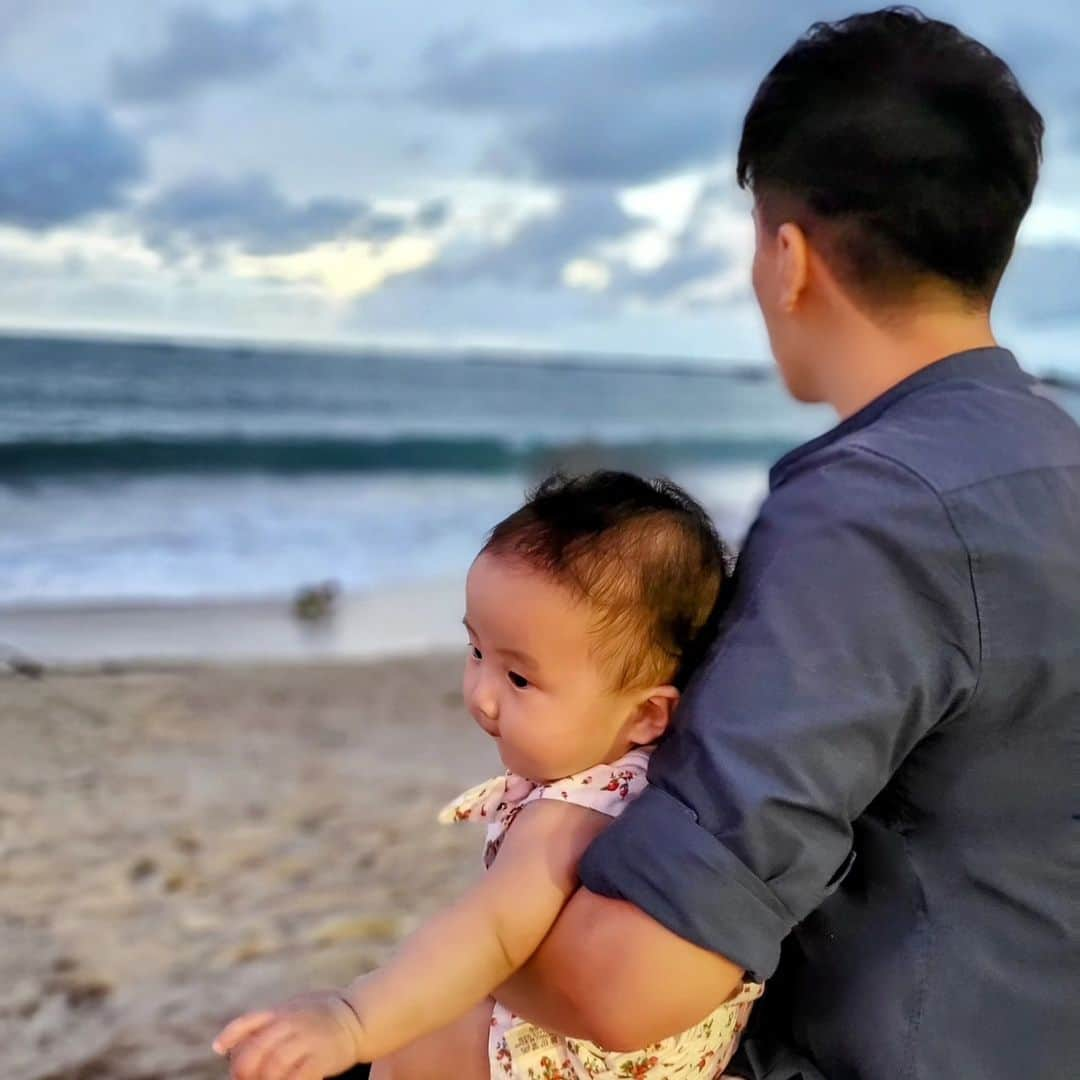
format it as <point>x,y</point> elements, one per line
<point>851,632</point>
<point>597,976</point>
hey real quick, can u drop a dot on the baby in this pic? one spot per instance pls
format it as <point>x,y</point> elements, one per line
<point>586,609</point>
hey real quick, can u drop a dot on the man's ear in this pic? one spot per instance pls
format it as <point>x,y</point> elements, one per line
<point>793,265</point>
<point>653,714</point>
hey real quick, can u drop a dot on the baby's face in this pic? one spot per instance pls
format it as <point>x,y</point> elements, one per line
<point>530,679</point>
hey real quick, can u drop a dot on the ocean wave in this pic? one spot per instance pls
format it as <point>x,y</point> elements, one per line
<point>142,455</point>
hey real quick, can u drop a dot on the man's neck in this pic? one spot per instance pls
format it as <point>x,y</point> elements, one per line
<point>875,361</point>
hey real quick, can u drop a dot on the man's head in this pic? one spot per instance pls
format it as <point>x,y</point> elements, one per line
<point>894,156</point>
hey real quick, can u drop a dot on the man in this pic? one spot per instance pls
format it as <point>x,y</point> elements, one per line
<point>873,767</point>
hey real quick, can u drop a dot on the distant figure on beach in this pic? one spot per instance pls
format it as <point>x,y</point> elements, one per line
<point>315,603</point>
<point>585,611</point>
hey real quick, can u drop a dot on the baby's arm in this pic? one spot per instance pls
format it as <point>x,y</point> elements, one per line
<point>462,954</point>
<point>460,1050</point>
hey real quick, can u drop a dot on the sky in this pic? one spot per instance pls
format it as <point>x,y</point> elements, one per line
<point>494,173</point>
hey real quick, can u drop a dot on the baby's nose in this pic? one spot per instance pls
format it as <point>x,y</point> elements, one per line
<point>484,710</point>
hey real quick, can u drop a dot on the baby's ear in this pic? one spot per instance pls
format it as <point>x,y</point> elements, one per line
<point>653,714</point>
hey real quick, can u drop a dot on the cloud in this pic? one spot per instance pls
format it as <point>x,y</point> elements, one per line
<point>207,212</point>
<point>695,266</point>
<point>671,95</point>
<point>540,249</point>
<point>595,141</point>
<point>699,252</point>
<point>589,242</point>
<point>433,214</point>
<point>61,163</point>
<point>343,268</point>
<point>646,105</point>
<point>203,49</point>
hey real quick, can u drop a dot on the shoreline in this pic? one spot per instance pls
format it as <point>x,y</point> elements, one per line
<point>412,620</point>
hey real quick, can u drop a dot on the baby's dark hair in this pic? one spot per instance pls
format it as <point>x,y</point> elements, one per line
<point>642,552</point>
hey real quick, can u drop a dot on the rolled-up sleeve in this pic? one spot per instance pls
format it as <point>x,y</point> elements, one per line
<point>852,630</point>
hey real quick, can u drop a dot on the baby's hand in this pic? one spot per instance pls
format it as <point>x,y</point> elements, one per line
<point>308,1037</point>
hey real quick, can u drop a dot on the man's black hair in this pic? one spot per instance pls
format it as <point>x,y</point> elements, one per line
<point>642,552</point>
<point>904,148</point>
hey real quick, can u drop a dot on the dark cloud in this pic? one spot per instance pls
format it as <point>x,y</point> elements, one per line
<point>692,260</point>
<point>59,164</point>
<point>671,95</point>
<point>662,283</point>
<point>647,105</point>
<point>433,214</point>
<point>667,132</point>
<point>203,48</point>
<point>204,213</point>
<point>586,220</point>
<point>382,227</point>
<point>537,253</point>
<point>697,44</point>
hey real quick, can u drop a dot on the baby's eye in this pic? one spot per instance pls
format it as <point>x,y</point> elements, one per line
<point>518,680</point>
<point>475,653</point>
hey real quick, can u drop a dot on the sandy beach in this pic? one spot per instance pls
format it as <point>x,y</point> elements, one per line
<point>411,620</point>
<point>180,842</point>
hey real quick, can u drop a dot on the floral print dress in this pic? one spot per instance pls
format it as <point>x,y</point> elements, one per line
<point>519,1050</point>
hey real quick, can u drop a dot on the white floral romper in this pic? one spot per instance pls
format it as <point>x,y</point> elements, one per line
<point>519,1050</point>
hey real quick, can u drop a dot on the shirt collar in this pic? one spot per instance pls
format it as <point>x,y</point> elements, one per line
<point>987,364</point>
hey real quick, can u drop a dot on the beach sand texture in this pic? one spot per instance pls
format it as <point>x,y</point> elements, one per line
<point>179,844</point>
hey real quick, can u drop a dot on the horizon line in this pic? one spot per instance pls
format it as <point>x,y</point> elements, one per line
<point>476,353</point>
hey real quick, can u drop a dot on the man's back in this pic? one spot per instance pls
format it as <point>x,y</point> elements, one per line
<point>874,761</point>
<point>950,945</point>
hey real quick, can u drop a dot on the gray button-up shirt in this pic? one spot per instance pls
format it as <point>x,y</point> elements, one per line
<point>880,752</point>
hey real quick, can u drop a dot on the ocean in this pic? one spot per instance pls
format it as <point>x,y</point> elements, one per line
<point>133,471</point>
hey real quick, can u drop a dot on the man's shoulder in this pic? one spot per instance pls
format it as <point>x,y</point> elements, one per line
<point>852,475</point>
<point>954,435</point>
<point>958,434</point>
<point>848,488</point>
